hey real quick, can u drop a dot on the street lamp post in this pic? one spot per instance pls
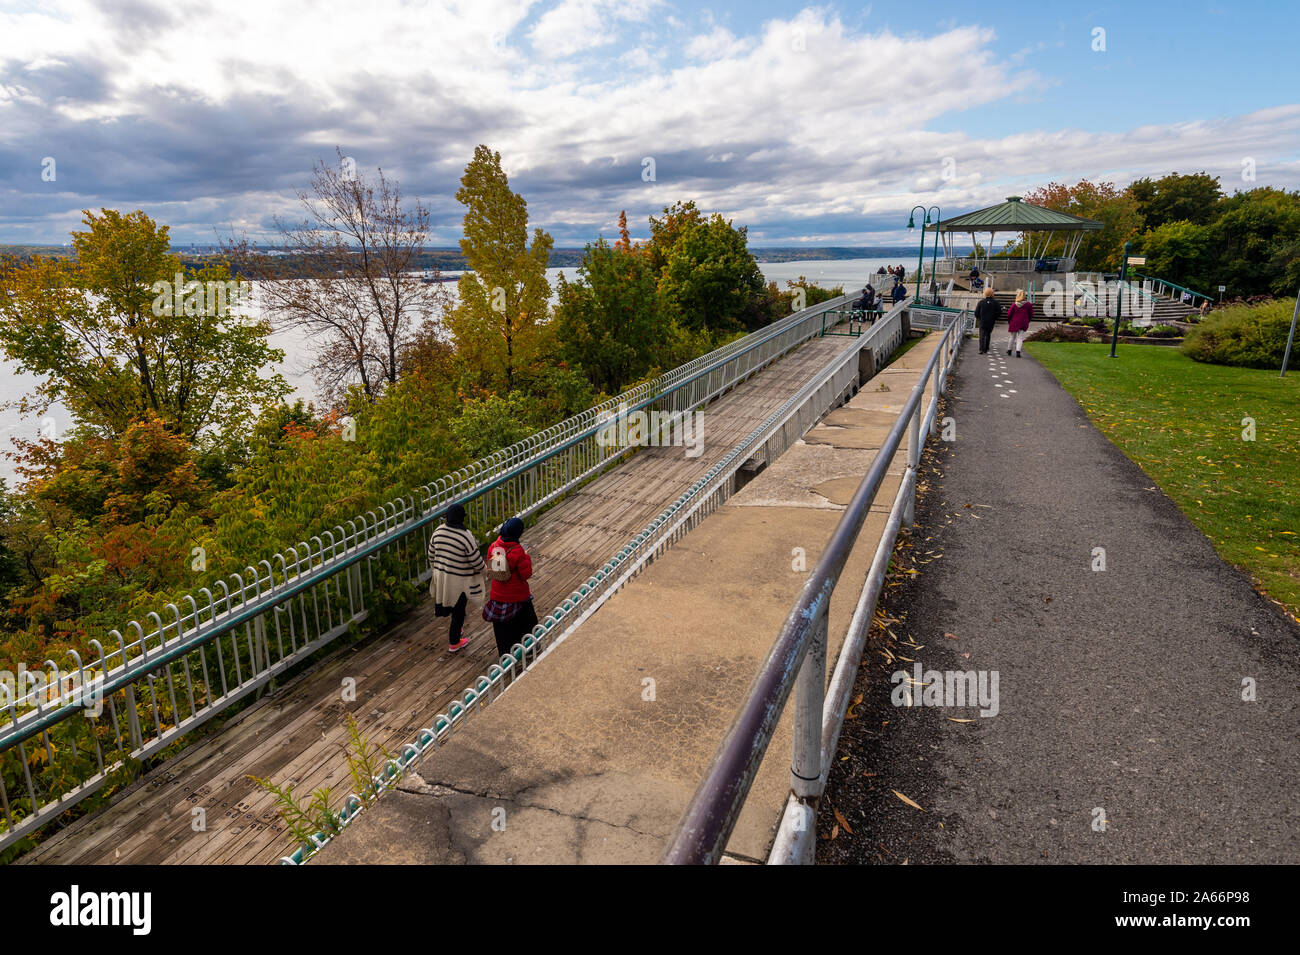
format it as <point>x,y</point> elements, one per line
<point>920,258</point>
<point>934,255</point>
<point>1119,304</point>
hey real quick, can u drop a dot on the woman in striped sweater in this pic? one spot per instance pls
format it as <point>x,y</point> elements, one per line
<point>457,573</point>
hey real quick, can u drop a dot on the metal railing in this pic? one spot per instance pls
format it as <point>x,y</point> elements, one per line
<point>796,662</point>
<point>1139,312</point>
<point>1162,287</point>
<point>1001,264</point>
<point>825,389</point>
<point>940,316</point>
<point>1140,308</point>
<point>190,662</point>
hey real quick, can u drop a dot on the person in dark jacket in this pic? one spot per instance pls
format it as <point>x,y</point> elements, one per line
<point>899,293</point>
<point>510,603</point>
<point>987,313</point>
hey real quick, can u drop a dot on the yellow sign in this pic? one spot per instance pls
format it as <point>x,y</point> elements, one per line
<point>1137,260</point>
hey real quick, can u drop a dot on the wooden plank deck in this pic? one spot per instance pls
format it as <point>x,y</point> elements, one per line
<point>404,676</point>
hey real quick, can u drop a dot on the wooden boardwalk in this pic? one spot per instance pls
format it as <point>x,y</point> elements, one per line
<point>404,676</point>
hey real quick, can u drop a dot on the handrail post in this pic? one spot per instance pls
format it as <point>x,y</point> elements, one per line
<point>913,458</point>
<point>945,356</point>
<point>810,697</point>
<point>133,718</point>
<point>938,376</point>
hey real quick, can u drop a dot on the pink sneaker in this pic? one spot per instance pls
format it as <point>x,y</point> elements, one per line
<point>464,642</point>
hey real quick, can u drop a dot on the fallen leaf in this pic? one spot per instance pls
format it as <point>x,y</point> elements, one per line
<point>842,821</point>
<point>955,720</point>
<point>906,800</point>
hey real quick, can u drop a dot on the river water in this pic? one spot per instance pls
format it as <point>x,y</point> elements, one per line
<point>850,273</point>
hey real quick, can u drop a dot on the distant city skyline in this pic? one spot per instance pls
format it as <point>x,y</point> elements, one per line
<point>809,125</point>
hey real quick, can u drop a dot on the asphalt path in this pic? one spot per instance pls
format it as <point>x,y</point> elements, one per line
<point>1121,733</point>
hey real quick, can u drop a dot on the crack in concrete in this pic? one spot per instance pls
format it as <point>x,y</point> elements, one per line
<point>433,790</point>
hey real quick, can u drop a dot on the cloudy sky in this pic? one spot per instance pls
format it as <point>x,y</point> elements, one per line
<point>809,124</point>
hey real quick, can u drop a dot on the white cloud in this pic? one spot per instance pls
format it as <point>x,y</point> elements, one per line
<point>798,122</point>
<point>573,26</point>
<point>716,44</point>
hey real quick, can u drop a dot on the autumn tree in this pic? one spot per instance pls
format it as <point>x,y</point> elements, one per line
<point>1255,242</point>
<point>609,322</point>
<point>1101,249</point>
<point>1176,251</point>
<point>497,324</point>
<point>708,280</point>
<point>122,330</point>
<point>11,567</point>
<point>665,230</point>
<point>348,278</point>
<point>1191,198</point>
<point>624,243</point>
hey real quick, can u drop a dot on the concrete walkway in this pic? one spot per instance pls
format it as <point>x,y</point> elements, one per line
<point>1121,691</point>
<point>593,756</point>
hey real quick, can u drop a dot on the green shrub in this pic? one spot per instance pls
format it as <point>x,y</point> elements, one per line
<point>1061,333</point>
<point>1163,331</point>
<point>1247,336</point>
<point>489,424</point>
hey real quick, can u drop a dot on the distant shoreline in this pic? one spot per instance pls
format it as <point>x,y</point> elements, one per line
<point>451,260</point>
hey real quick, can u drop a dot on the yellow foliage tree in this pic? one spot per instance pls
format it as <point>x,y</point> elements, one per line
<point>498,323</point>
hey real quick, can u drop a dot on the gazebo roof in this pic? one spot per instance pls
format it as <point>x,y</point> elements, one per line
<point>1016,216</point>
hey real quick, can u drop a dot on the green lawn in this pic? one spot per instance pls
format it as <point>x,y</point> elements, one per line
<point>1181,421</point>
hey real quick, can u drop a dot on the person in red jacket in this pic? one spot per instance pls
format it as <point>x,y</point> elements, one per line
<point>510,605</point>
<point>1018,316</point>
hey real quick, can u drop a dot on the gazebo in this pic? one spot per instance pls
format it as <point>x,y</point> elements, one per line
<point>1037,227</point>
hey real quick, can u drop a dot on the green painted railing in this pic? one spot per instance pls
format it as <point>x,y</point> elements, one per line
<point>1165,283</point>
<point>185,664</point>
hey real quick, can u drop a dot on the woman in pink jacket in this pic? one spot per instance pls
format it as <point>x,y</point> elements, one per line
<point>1018,316</point>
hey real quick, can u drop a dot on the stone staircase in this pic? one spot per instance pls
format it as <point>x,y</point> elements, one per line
<point>1171,310</point>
